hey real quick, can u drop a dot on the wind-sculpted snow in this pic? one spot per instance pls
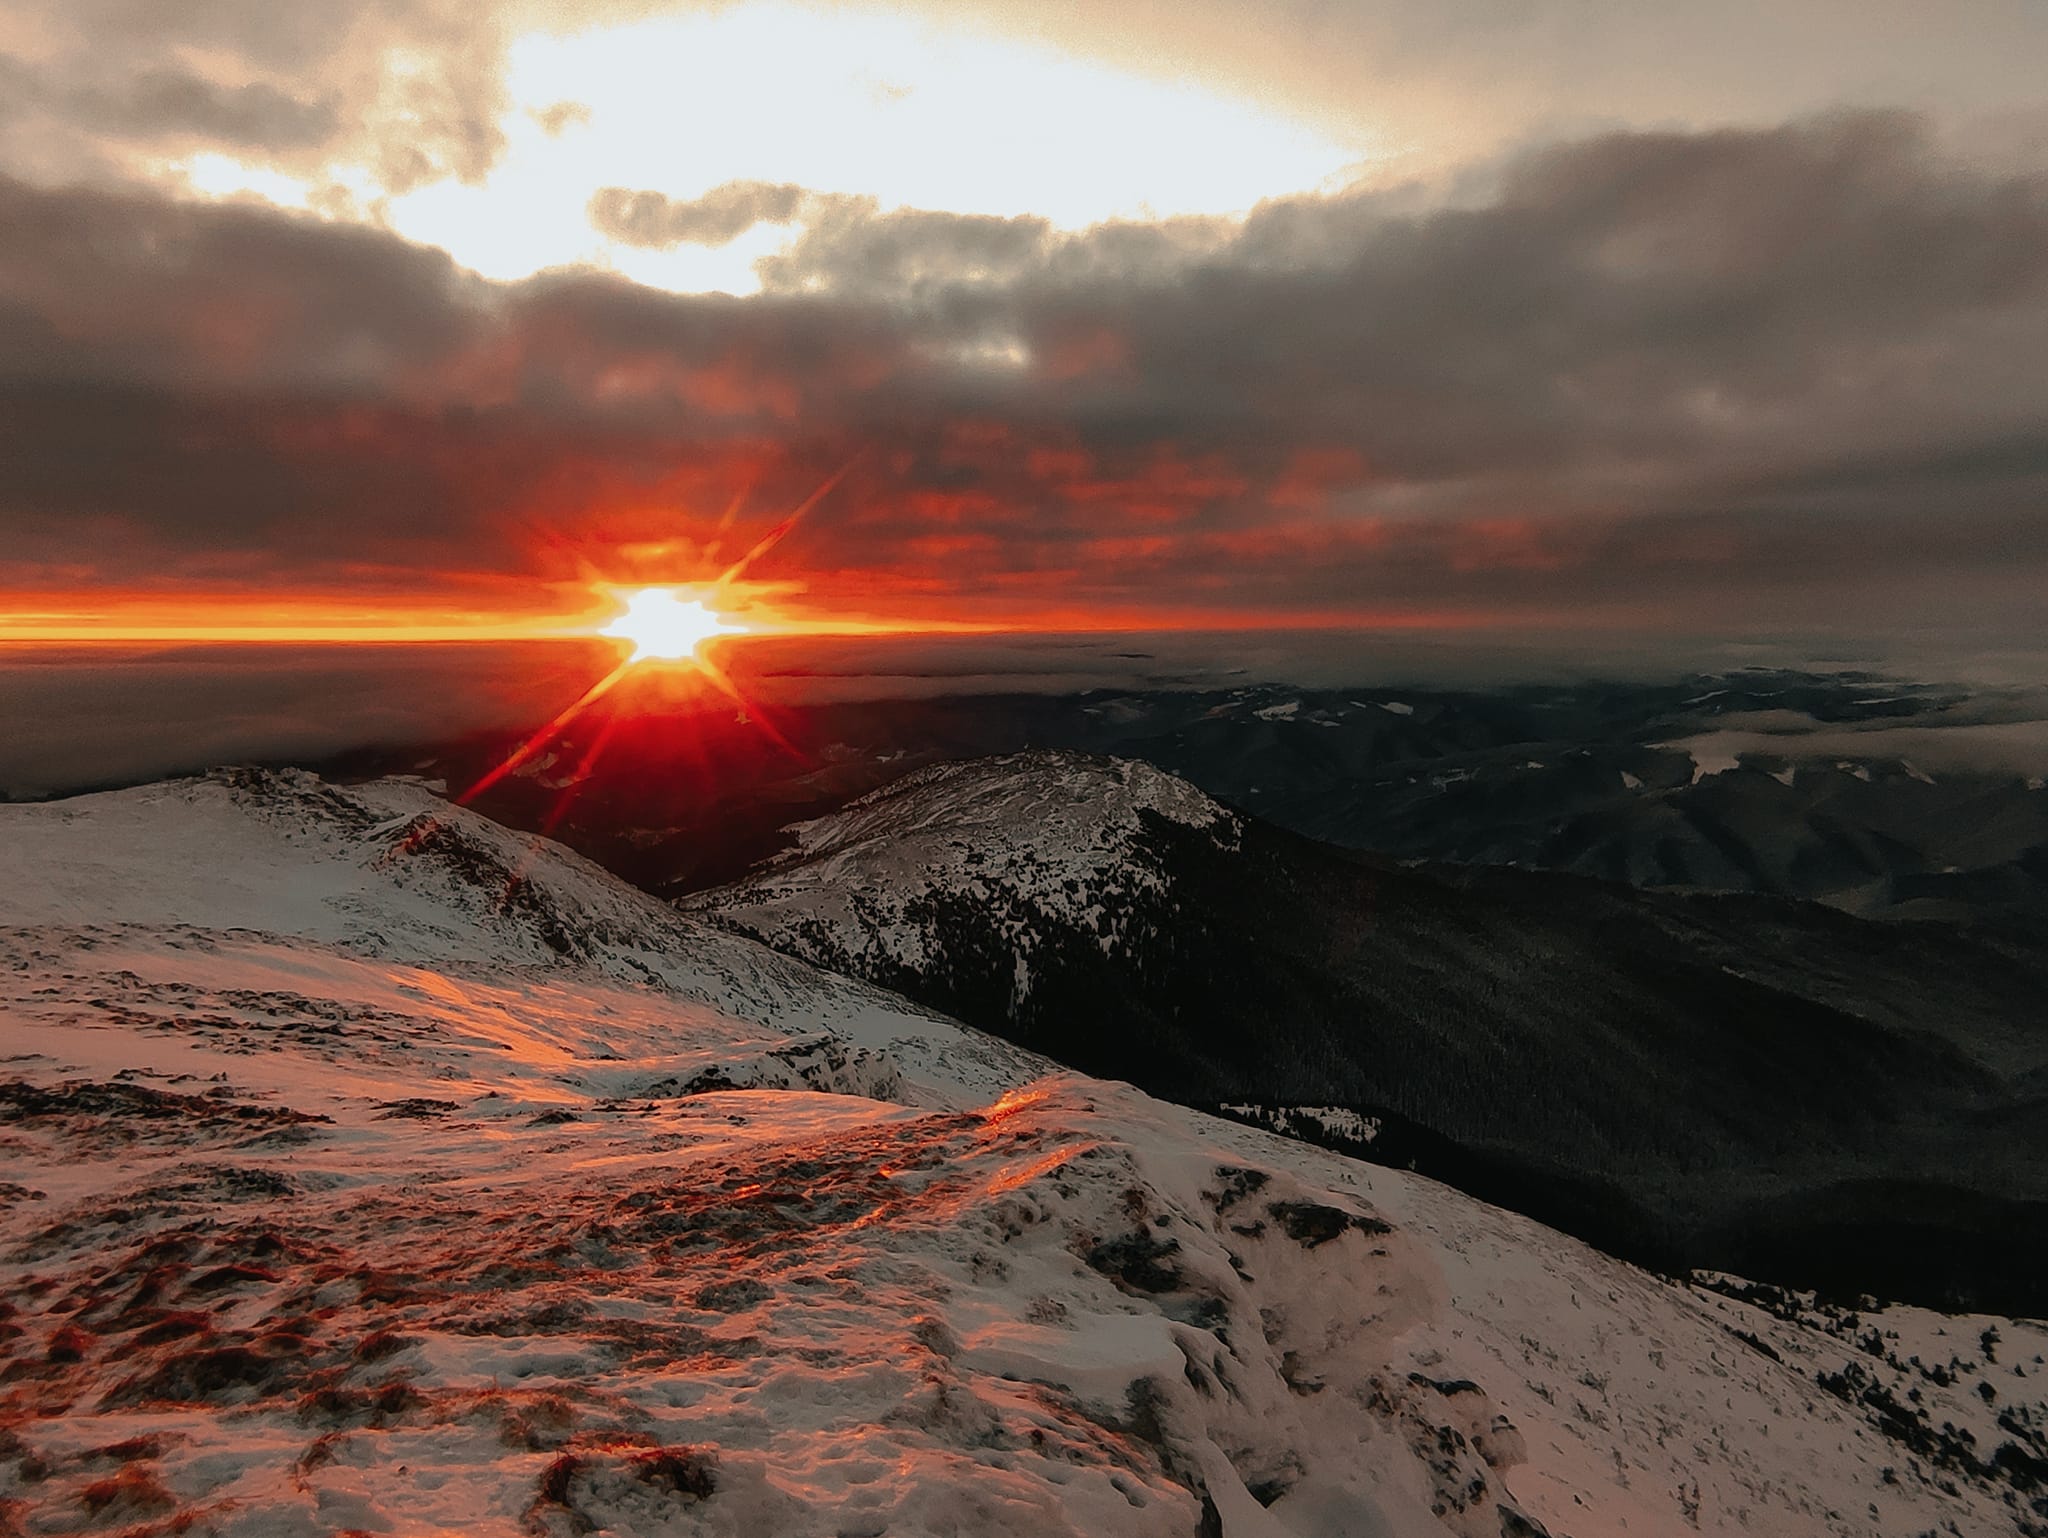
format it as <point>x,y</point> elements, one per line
<point>310,1234</point>
<point>1038,847</point>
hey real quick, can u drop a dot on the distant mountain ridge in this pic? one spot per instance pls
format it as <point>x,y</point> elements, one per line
<point>1735,1082</point>
<point>1792,784</point>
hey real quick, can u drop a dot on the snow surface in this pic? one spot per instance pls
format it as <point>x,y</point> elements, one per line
<point>353,1186</point>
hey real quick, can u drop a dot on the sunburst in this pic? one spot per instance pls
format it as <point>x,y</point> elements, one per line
<point>664,626</point>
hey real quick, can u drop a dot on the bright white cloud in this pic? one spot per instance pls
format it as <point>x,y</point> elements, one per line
<point>901,110</point>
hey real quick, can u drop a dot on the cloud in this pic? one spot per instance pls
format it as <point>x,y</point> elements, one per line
<point>1451,84</point>
<point>82,718</point>
<point>169,103</point>
<point>721,216</point>
<point>1751,378</point>
<point>412,90</point>
<point>419,87</point>
<point>851,248</point>
<point>558,117</point>
<point>1947,740</point>
<point>848,244</point>
<point>163,102</point>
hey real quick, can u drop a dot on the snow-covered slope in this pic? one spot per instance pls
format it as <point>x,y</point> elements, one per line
<point>1039,845</point>
<point>390,869</point>
<point>346,1192</point>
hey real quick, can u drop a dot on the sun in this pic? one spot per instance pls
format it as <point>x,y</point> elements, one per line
<point>666,627</point>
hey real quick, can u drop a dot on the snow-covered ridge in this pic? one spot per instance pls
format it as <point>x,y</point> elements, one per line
<point>389,868</point>
<point>1040,840</point>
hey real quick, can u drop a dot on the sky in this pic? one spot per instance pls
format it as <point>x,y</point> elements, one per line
<point>406,319</point>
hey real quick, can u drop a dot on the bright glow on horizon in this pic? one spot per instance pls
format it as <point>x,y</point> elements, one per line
<point>666,627</point>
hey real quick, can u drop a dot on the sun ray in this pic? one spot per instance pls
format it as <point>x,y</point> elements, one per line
<point>723,683</point>
<point>585,767</point>
<point>775,535</point>
<point>729,517</point>
<point>539,739</point>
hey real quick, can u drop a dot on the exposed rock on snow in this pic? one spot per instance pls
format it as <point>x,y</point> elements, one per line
<point>342,1197</point>
<point>1311,1123</point>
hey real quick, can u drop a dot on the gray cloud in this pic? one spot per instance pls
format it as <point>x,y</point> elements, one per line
<point>86,717</point>
<point>852,248</point>
<point>848,244</point>
<point>1437,88</point>
<point>167,103</point>
<point>164,102</point>
<point>1940,743</point>
<point>1448,84</point>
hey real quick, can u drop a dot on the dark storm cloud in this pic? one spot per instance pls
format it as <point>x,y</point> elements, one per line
<point>719,217</point>
<point>1657,296</point>
<point>127,288</point>
<point>1801,369</point>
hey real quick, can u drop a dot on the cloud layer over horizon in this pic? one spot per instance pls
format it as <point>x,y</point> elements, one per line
<point>1650,378</point>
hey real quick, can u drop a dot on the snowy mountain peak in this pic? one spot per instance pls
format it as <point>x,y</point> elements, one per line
<point>1037,844</point>
<point>1068,810</point>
